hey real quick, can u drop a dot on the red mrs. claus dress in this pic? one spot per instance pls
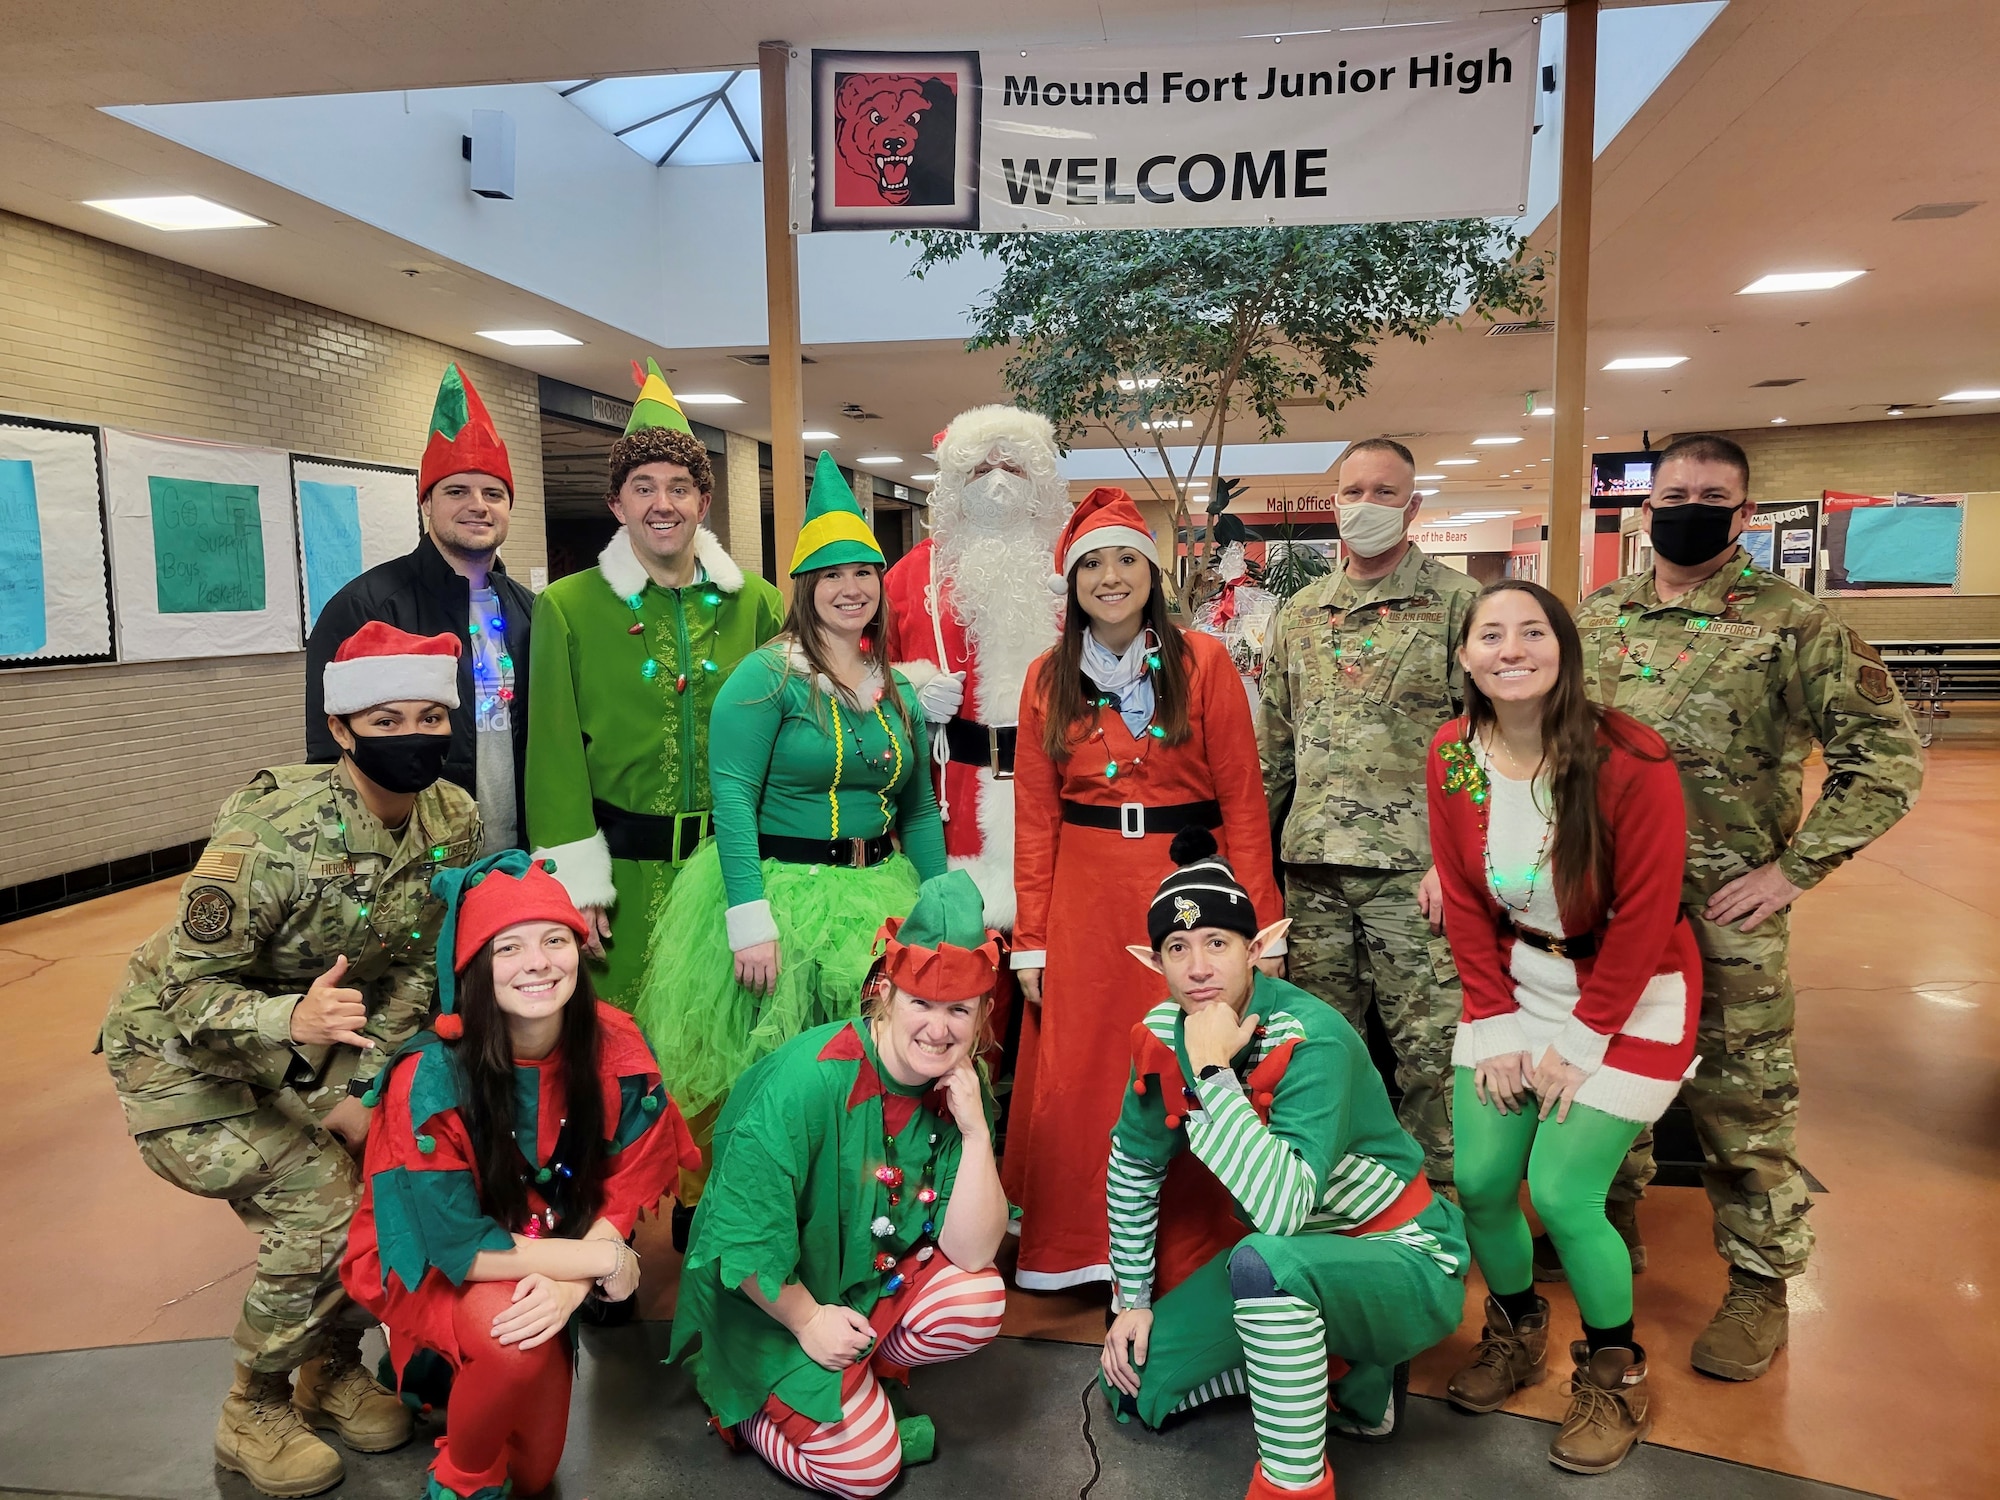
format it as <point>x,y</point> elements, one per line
<point>1081,896</point>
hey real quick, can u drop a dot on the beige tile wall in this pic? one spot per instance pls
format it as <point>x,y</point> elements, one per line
<point>101,762</point>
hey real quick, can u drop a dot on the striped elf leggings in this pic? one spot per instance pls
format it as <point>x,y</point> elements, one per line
<point>944,1314</point>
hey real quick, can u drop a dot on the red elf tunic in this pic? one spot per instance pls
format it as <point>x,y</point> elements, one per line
<point>419,1225</point>
<point>1081,896</point>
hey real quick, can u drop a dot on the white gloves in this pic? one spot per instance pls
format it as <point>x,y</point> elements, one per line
<point>942,696</point>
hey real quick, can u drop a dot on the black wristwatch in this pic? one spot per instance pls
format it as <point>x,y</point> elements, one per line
<point>1211,1070</point>
<point>357,1087</point>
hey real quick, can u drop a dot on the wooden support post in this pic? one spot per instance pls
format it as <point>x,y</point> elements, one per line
<point>1569,484</point>
<point>781,290</point>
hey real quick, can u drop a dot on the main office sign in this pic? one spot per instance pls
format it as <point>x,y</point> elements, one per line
<point>1388,124</point>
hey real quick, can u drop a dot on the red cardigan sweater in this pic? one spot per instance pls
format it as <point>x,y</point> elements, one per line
<point>1639,996</point>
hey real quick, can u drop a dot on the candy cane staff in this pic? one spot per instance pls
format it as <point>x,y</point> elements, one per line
<point>515,1146</point>
<point>852,1214</point>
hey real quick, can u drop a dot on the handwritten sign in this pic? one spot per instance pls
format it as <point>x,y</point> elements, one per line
<point>24,621</point>
<point>208,547</point>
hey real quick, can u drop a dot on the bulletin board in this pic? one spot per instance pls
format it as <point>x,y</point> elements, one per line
<point>351,516</point>
<point>1900,545</point>
<point>55,592</point>
<point>1783,536</point>
<point>204,553</point>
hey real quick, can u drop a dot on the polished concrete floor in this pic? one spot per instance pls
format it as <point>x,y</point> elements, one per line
<point>1887,1386</point>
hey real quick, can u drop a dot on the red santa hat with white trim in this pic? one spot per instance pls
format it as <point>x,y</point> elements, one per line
<point>1106,518</point>
<point>381,664</point>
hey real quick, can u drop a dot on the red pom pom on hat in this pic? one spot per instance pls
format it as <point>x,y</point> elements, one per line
<point>450,1028</point>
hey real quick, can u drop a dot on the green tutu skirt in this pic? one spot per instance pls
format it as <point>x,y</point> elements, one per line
<point>704,1027</point>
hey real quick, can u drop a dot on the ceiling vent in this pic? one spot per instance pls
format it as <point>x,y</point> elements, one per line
<point>1772,385</point>
<point>854,412</point>
<point>1939,210</point>
<point>1515,330</point>
<point>763,361</point>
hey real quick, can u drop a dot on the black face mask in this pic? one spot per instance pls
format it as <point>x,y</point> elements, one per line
<point>403,763</point>
<point>1689,535</point>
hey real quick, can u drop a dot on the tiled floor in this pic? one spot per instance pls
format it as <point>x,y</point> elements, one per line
<point>1887,1386</point>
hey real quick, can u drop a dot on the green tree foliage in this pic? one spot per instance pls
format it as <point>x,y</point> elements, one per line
<point>1137,332</point>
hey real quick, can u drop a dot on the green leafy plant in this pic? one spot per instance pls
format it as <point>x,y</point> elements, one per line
<point>1289,564</point>
<point>1161,338</point>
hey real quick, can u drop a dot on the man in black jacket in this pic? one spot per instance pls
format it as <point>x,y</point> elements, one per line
<point>453,581</point>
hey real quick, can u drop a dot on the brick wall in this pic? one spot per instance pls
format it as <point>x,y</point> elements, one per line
<point>105,762</point>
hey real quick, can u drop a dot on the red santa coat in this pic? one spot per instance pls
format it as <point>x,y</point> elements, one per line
<point>979,806</point>
<point>1082,895</point>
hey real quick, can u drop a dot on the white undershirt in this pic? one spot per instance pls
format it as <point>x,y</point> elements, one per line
<point>1545,986</point>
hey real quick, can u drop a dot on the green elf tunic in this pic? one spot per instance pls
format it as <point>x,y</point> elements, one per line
<point>788,759</point>
<point>617,778</point>
<point>1303,1137</point>
<point>794,1196</point>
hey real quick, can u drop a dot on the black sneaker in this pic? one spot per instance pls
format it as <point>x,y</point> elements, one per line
<point>1340,1425</point>
<point>683,1221</point>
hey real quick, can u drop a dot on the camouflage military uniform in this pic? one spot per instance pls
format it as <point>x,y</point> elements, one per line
<point>1741,675</point>
<point>1357,678</point>
<point>198,1040</point>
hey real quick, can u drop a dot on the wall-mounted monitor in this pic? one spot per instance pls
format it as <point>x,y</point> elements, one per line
<point>1620,481</point>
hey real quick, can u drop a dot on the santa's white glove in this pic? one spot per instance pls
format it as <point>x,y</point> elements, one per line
<point>942,696</point>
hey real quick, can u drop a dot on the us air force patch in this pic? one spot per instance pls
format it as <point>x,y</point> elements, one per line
<point>1186,912</point>
<point>209,908</point>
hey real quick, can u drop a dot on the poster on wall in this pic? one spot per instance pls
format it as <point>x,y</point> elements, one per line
<point>1384,125</point>
<point>1891,544</point>
<point>55,598</point>
<point>204,560</point>
<point>351,516</point>
<point>1781,537</point>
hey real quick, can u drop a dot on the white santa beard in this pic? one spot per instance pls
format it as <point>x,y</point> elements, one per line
<point>999,591</point>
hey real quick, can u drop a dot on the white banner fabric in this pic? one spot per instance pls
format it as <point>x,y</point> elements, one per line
<point>351,517</point>
<point>53,602</point>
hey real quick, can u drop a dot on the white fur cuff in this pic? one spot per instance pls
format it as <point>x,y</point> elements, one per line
<point>1581,1046</point>
<point>1491,1036</point>
<point>1032,958</point>
<point>584,869</point>
<point>917,673</point>
<point>750,924</point>
<point>364,681</point>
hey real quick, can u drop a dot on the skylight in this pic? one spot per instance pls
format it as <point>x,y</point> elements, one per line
<point>677,119</point>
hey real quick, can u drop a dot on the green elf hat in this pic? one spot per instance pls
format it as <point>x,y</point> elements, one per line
<point>483,900</point>
<point>834,531</point>
<point>655,406</point>
<point>462,438</point>
<point>943,951</point>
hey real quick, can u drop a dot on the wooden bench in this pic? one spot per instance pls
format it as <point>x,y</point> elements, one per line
<point>1932,674</point>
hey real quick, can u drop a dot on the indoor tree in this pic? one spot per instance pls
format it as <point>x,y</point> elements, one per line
<point>1162,337</point>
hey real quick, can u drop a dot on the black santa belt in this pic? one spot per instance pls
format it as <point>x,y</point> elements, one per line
<point>672,837</point>
<point>852,854</point>
<point>1582,946</point>
<point>974,744</point>
<point>1136,820</point>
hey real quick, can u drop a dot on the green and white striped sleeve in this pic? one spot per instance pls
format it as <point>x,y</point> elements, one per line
<point>1132,1196</point>
<point>1274,1185</point>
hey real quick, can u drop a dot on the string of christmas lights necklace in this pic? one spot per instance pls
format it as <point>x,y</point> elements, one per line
<point>1494,880</point>
<point>655,663</point>
<point>1112,765</point>
<point>1647,671</point>
<point>890,1178</point>
<point>496,623</point>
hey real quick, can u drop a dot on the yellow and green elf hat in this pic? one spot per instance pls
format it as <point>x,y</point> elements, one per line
<point>834,532</point>
<point>655,406</point>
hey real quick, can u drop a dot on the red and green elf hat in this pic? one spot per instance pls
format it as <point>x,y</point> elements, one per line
<point>483,900</point>
<point>655,406</point>
<point>943,951</point>
<point>463,439</point>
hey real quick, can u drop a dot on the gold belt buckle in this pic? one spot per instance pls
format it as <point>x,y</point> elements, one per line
<point>993,754</point>
<point>857,858</point>
<point>1557,946</point>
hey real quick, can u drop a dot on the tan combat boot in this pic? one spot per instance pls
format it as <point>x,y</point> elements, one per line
<point>1624,1216</point>
<point>1610,1412</point>
<point>1747,1332</point>
<point>336,1391</point>
<point>1507,1358</point>
<point>261,1437</point>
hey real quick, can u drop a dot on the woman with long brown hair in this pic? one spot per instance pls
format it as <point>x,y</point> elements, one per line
<point>825,824</point>
<point>1130,730</point>
<point>1560,837</point>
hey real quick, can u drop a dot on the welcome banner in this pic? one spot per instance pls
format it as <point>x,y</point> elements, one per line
<point>1378,125</point>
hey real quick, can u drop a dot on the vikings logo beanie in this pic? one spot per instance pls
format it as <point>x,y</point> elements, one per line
<point>1201,892</point>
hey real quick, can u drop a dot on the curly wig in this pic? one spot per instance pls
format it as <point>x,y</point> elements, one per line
<point>660,445</point>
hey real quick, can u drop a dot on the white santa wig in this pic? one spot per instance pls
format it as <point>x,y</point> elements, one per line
<point>1024,438</point>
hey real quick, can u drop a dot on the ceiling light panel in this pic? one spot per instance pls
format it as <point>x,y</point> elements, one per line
<point>707,398</point>
<point>1493,442</point>
<point>1799,281</point>
<point>1976,394</point>
<point>1446,463</point>
<point>527,338</point>
<point>1647,362</point>
<point>177,213</point>
<point>819,436</point>
<point>878,458</point>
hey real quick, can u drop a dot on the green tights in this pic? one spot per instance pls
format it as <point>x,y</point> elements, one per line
<point>1568,1168</point>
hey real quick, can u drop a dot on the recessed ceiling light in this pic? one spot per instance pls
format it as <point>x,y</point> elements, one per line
<point>1427,493</point>
<point>1972,395</point>
<point>1647,362</point>
<point>878,458</point>
<point>1545,411</point>
<point>1895,411</point>
<point>1446,463</point>
<point>926,478</point>
<point>176,213</point>
<point>528,338</point>
<point>1430,476</point>
<point>1604,437</point>
<point>1493,442</point>
<point>707,398</point>
<point>1800,281</point>
<point>1777,421</point>
<point>819,436</point>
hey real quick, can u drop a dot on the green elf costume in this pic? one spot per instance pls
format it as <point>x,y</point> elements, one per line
<point>814,789</point>
<point>1350,1265</point>
<point>626,674</point>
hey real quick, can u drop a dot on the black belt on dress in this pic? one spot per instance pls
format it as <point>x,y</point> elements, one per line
<point>853,854</point>
<point>672,837</point>
<point>975,744</point>
<point>1135,820</point>
<point>1584,946</point>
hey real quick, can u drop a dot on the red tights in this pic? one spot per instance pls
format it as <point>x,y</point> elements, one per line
<point>509,1409</point>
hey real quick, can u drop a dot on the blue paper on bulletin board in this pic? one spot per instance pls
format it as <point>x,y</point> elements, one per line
<point>330,532</point>
<point>24,621</point>
<point>1757,543</point>
<point>1915,544</point>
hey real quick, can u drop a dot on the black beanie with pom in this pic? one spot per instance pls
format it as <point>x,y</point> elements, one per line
<point>1202,892</point>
